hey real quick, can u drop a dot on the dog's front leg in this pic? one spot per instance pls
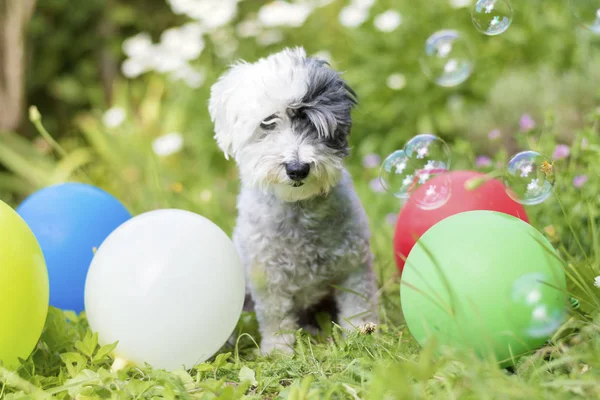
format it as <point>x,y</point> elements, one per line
<point>357,299</point>
<point>276,319</point>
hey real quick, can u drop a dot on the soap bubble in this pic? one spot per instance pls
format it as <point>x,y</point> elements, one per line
<point>534,300</point>
<point>423,158</point>
<point>391,173</point>
<point>588,13</point>
<point>426,147</point>
<point>530,178</point>
<point>448,58</point>
<point>492,17</point>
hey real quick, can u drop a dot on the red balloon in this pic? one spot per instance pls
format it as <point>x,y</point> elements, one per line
<point>413,221</point>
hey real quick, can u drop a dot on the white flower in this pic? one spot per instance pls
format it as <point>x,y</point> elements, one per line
<point>281,13</point>
<point>180,6</point>
<point>113,117</point>
<point>248,28</point>
<point>195,79</point>
<point>407,181</point>
<point>388,21</point>
<point>211,13</point>
<point>396,81</point>
<point>269,37</point>
<point>216,13</point>
<point>323,55</point>
<point>192,29</point>
<point>227,50</point>
<point>460,3</point>
<point>363,3</point>
<point>176,47</point>
<point>165,59</point>
<point>132,68</point>
<point>322,3</point>
<point>168,144</point>
<point>184,42</point>
<point>526,170</point>
<point>190,76</point>
<point>597,281</point>
<point>598,13</point>
<point>225,43</point>
<point>138,46</point>
<point>353,16</point>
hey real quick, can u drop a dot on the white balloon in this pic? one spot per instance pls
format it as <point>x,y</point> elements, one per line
<point>168,285</point>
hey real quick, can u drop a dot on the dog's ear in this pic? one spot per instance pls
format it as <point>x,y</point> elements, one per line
<point>219,107</point>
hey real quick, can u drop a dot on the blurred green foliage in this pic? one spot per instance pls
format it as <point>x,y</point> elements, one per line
<point>543,61</point>
<point>71,47</point>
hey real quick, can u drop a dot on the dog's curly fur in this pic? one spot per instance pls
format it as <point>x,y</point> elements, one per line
<point>301,238</point>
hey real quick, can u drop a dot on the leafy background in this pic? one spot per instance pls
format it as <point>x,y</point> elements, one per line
<point>544,67</point>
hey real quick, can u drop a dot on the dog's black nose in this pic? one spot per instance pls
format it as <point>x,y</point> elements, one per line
<point>297,171</point>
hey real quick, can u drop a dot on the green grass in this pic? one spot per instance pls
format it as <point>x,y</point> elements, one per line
<point>541,66</point>
<point>387,364</point>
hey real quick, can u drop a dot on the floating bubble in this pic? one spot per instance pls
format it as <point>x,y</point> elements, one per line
<point>426,147</point>
<point>588,13</point>
<point>492,17</point>
<point>537,305</point>
<point>530,178</point>
<point>423,158</point>
<point>448,60</point>
<point>391,171</point>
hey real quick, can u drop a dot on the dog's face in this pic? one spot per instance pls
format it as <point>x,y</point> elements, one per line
<point>285,120</point>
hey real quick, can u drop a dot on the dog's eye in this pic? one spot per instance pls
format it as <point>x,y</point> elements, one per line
<point>268,127</point>
<point>269,123</point>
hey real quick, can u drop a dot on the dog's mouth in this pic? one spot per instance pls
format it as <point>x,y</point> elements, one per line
<point>297,184</point>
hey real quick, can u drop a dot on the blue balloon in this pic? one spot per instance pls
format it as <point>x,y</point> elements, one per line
<point>69,220</point>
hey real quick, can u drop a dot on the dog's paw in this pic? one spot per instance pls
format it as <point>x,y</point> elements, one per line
<point>283,343</point>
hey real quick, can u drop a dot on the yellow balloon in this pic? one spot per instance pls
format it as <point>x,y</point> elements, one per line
<point>24,288</point>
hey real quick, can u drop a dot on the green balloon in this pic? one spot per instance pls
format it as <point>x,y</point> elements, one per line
<point>24,288</point>
<point>484,281</point>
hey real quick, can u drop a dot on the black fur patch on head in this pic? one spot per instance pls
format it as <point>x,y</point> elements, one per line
<point>323,113</point>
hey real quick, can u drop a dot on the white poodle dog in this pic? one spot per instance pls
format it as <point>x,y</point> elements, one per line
<point>302,233</point>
